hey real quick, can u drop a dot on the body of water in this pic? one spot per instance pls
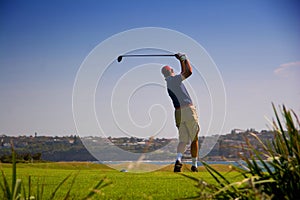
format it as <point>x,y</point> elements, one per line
<point>158,162</point>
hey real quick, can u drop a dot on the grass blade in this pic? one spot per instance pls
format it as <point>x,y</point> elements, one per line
<point>94,189</point>
<point>71,186</point>
<point>6,188</point>
<point>58,186</point>
<point>282,132</point>
<point>42,189</point>
<point>212,171</point>
<point>29,187</point>
<point>14,167</point>
<point>24,191</point>
<point>97,187</point>
<point>17,190</point>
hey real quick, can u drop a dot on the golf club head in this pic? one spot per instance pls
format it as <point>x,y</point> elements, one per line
<point>119,58</point>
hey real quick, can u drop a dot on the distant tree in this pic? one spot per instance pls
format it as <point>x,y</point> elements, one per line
<point>132,140</point>
<point>37,156</point>
<point>26,156</point>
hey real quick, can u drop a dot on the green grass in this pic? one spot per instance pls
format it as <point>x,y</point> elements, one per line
<point>162,184</point>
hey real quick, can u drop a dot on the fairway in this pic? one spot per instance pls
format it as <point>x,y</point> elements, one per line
<point>162,184</point>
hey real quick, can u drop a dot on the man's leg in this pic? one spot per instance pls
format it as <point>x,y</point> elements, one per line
<point>183,138</point>
<point>194,152</point>
<point>195,146</point>
<point>180,150</point>
<point>181,145</point>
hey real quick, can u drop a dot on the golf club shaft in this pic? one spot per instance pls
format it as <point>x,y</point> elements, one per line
<point>147,55</point>
<point>143,55</point>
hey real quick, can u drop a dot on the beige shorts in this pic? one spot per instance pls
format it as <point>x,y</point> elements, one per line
<point>187,123</point>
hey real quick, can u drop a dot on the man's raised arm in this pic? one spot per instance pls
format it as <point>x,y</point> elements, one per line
<point>186,68</point>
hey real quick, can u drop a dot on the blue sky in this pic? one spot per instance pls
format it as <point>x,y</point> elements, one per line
<point>255,45</point>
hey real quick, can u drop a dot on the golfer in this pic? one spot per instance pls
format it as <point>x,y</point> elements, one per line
<point>185,113</point>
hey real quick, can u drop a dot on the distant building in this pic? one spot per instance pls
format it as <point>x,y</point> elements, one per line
<point>237,131</point>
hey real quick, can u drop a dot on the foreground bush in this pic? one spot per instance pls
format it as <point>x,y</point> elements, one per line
<point>21,190</point>
<point>270,174</point>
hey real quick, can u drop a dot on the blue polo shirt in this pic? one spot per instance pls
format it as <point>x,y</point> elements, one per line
<point>177,91</point>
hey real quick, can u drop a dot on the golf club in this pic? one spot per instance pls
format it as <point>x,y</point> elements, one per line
<point>144,55</point>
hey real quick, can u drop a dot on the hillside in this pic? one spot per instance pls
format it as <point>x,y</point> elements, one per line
<point>71,148</point>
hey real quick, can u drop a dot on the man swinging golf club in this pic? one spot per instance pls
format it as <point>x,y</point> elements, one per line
<point>185,113</point>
